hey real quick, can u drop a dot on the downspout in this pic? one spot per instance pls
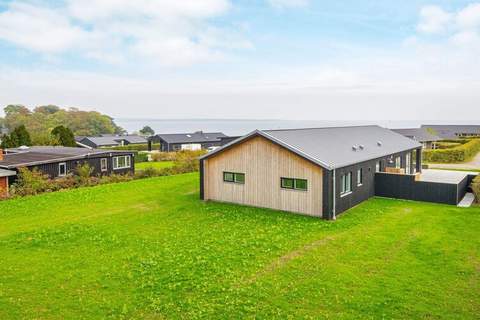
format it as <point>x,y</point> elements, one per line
<point>334,217</point>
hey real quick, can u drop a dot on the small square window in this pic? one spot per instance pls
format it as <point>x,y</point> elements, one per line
<point>287,183</point>
<point>240,178</point>
<point>228,177</point>
<point>301,184</point>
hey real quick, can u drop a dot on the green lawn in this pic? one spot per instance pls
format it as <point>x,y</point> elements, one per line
<point>149,249</point>
<point>157,165</point>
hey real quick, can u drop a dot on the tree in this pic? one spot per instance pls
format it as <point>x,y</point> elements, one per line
<point>64,136</point>
<point>18,137</point>
<point>16,109</point>
<point>49,109</point>
<point>43,118</point>
<point>147,131</point>
<point>23,136</point>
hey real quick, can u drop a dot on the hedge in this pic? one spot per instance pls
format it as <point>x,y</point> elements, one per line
<point>134,147</point>
<point>460,153</point>
<point>476,188</point>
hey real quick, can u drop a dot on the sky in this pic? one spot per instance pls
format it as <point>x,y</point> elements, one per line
<point>245,59</point>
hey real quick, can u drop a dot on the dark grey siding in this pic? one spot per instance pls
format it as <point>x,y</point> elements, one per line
<point>359,193</point>
<point>52,169</point>
<point>405,187</point>
<point>202,182</point>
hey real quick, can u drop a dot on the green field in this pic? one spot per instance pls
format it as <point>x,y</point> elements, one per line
<point>149,249</point>
<point>157,165</point>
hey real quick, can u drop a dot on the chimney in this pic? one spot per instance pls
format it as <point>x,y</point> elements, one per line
<point>1,154</point>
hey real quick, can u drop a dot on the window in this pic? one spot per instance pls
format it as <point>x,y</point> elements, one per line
<point>398,162</point>
<point>377,166</point>
<point>103,164</point>
<point>234,177</point>
<point>62,169</point>
<point>346,184</point>
<point>359,177</point>
<point>121,162</point>
<point>294,184</point>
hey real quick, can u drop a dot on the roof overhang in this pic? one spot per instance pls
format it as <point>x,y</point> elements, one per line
<point>7,173</point>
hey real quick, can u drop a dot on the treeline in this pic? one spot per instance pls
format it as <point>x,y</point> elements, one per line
<point>41,122</point>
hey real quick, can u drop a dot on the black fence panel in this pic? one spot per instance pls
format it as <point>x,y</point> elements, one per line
<point>405,187</point>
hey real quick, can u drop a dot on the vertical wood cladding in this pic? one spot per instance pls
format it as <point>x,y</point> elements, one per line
<point>264,163</point>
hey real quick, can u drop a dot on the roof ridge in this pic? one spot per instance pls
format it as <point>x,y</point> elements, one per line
<point>311,128</point>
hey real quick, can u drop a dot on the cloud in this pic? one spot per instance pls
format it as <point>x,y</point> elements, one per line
<point>168,32</point>
<point>460,29</point>
<point>433,19</point>
<point>469,17</point>
<point>282,4</point>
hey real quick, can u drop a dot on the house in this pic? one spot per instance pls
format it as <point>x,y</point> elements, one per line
<point>319,171</point>
<point>105,141</point>
<point>61,161</point>
<point>4,175</point>
<point>453,131</point>
<point>427,139</point>
<point>186,141</point>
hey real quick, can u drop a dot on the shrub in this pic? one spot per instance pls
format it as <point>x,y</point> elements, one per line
<point>141,157</point>
<point>187,161</point>
<point>447,145</point>
<point>135,147</point>
<point>163,156</point>
<point>30,182</point>
<point>476,188</point>
<point>460,153</point>
<point>84,173</point>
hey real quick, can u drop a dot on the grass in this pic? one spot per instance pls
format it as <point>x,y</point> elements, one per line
<point>156,165</point>
<point>149,249</point>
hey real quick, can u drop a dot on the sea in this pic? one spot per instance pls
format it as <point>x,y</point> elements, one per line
<point>237,127</point>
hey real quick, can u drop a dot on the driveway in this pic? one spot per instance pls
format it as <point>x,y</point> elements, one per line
<point>474,164</point>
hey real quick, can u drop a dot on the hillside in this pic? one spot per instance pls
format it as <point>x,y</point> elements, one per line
<point>150,249</point>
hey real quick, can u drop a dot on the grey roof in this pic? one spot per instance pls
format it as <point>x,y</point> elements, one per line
<point>7,173</point>
<point>451,131</point>
<point>20,157</point>
<point>114,140</point>
<point>335,147</point>
<point>195,137</point>
<point>417,134</point>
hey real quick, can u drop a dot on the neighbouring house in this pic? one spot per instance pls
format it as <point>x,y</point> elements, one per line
<point>427,139</point>
<point>106,141</point>
<point>61,161</point>
<point>453,131</point>
<point>320,172</point>
<point>4,175</point>
<point>186,141</point>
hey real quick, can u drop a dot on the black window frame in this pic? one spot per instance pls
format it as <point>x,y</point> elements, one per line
<point>234,177</point>
<point>294,184</point>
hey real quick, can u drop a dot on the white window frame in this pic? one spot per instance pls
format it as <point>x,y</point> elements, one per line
<point>346,184</point>
<point>62,164</point>
<point>359,177</point>
<point>128,162</point>
<point>104,164</point>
